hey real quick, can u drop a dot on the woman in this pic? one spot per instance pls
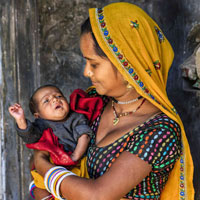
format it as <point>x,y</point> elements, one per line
<point>136,150</point>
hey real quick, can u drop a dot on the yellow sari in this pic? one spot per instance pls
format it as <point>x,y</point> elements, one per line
<point>137,47</point>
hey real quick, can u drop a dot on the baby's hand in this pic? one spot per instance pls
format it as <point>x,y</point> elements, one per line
<point>75,157</point>
<point>16,111</point>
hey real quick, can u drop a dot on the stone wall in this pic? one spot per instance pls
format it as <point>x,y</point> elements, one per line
<point>40,45</point>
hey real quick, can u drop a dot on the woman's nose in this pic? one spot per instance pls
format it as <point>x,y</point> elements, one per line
<point>87,71</point>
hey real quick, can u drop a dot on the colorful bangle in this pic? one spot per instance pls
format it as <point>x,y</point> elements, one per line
<point>47,197</point>
<point>48,175</point>
<point>56,174</point>
<point>54,183</point>
<point>53,179</point>
<point>59,182</point>
<point>31,187</point>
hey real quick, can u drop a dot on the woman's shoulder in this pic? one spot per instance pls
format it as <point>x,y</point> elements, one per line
<point>162,122</point>
<point>158,136</point>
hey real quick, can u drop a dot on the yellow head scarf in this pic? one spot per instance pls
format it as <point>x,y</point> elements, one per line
<point>140,51</point>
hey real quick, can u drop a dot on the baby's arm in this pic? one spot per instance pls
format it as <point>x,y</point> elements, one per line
<point>17,112</point>
<point>81,147</point>
<point>81,133</point>
<point>29,132</point>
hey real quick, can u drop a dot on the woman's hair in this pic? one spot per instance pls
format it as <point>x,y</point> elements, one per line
<point>33,106</point>
<point>86,28</point>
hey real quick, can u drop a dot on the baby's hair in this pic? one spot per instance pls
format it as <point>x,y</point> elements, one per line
<point>32,102</point>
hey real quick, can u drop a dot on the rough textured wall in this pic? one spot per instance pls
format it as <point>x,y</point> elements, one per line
<point>18,32</point>
<point>40,45</point>
<point>60,58</point>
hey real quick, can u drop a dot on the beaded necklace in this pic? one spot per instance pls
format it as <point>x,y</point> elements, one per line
<point>127,102</point>
<point>118,115</point>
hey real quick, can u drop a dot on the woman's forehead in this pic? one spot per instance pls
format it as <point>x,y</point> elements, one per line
<point>87,45</point>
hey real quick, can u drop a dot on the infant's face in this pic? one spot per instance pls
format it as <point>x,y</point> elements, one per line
<point>51,104</point>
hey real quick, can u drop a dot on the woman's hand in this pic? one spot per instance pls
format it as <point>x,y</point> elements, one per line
<point>43,154</point>
<point>40,193</point>
<point>42,162</point>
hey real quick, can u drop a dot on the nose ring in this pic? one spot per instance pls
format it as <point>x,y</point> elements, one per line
<point>89,74</point>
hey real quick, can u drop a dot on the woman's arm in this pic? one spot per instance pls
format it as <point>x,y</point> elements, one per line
<point>125,173</point>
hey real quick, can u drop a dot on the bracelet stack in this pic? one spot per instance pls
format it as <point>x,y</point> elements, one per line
<point>53,179</point>
<point>31,187</point>
<point>50,197</point>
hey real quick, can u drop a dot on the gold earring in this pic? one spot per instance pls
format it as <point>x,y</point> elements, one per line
<point>129,86</point>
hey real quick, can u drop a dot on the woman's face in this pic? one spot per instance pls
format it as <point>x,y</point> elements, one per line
<point>104,76</point>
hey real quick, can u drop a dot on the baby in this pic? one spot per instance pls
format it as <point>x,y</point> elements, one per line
<point>51,110</point>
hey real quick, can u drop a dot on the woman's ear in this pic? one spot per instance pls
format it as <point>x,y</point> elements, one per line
<point>36,115</point>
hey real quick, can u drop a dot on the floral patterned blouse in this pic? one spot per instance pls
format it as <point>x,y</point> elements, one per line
<point>156,141</point>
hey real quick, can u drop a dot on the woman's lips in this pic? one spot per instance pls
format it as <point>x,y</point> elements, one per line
<point>94,83</point>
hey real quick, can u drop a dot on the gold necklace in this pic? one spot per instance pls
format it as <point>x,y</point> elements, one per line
<point>118,115</point>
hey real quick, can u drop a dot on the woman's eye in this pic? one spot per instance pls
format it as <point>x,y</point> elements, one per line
<point>59,96</point>
<point>93,66</point>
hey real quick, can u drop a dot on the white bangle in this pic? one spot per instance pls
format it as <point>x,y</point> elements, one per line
<point>47,175</point>
<point>59,182</point>
<point>53,182</point>
<point>53,178</point>
<point>31,184</point>
<point>45,198</point>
